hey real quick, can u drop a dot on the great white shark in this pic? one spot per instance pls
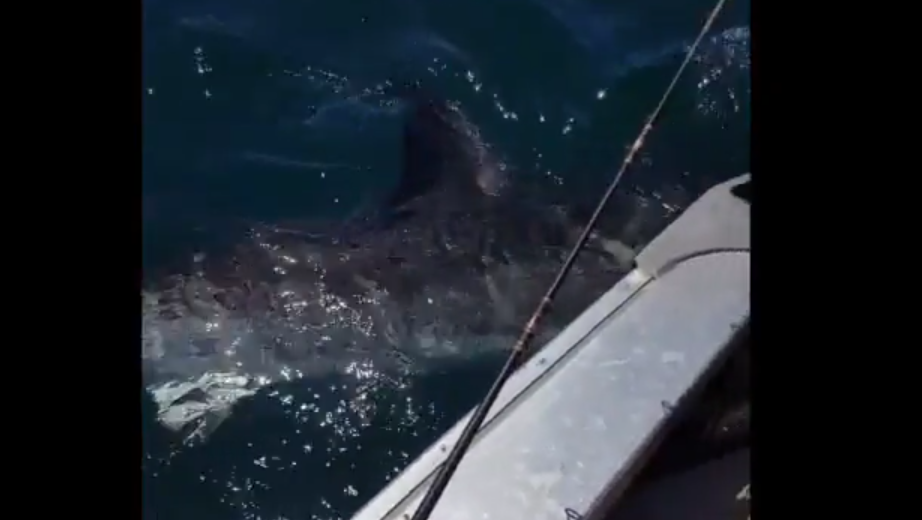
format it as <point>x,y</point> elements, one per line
<point>450,263</point>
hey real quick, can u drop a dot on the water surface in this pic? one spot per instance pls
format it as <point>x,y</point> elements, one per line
<point>279,109</point>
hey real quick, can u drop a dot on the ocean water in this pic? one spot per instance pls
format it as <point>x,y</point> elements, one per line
<point>279,109</point>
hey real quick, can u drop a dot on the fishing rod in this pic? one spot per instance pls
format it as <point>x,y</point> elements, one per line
<point>435,491</point>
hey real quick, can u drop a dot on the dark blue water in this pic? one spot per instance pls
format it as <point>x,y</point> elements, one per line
<point>281,109</point>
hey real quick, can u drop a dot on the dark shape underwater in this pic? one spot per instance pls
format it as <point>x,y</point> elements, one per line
<point>450,265</point>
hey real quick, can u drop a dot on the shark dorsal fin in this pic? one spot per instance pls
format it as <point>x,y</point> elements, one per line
<point>442,152</point>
